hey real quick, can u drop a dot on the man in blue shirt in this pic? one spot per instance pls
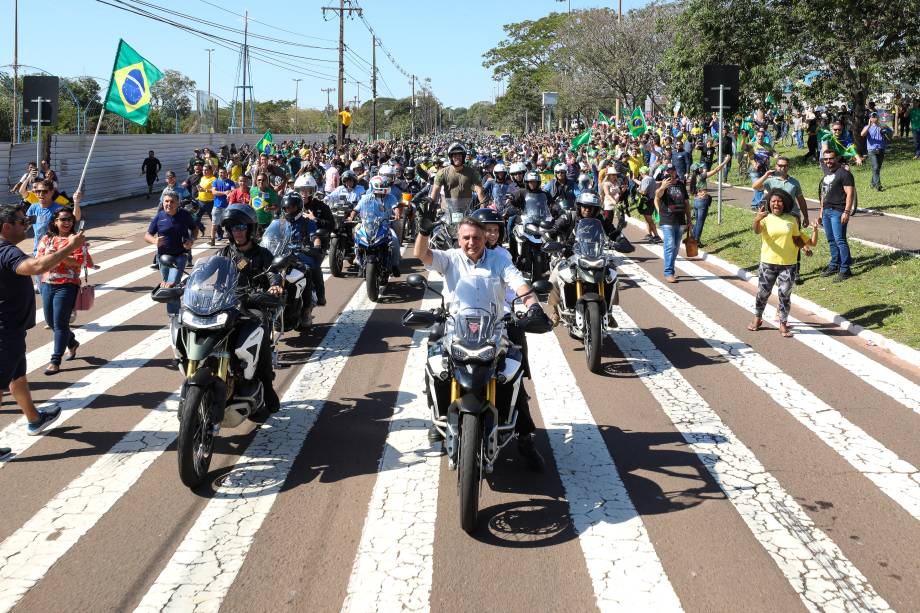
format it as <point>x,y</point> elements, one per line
<point>173,231</point>
<point>875,146</point>
<point>221,189</point>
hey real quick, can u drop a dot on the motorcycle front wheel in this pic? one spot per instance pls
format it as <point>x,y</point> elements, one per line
<point>371,281</point>
<point>593,337</point>
<point>468,470</point>
<point>196,438</point>
<point>336,257</point>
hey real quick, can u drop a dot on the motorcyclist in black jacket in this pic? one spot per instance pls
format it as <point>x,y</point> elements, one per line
<point>303,230</point>
<point>252,262</point>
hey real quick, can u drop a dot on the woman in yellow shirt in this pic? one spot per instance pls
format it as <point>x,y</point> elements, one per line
<point>781,240</point>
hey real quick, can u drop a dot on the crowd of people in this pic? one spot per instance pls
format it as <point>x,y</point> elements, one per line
<point>663,172</point>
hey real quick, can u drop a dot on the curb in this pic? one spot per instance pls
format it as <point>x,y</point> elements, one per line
<point>908,354</point>
<point>869,211</point>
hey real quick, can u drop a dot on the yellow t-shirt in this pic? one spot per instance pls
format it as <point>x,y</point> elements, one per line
<point>635,163</point>
<point>776,233</point>
<point>204,189</point>
<point>346,118</point>
<point>236,171</point>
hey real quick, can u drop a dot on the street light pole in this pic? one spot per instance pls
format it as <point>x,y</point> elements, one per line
<point>210,113</point>
<point>296,100</point>
<point>15,138</point>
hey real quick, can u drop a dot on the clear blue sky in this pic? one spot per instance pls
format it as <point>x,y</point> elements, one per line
<point>428,39</point>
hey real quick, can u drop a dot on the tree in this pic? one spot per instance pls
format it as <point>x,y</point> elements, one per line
<point>173,91</point>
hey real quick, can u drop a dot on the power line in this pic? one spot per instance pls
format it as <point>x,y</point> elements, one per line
<point>382,47</point>
<point>226,10</point>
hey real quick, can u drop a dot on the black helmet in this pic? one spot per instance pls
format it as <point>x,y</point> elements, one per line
<point>238,215</point>
<point>295,201</point>
<point>456,148</point>
<point>491,216</point>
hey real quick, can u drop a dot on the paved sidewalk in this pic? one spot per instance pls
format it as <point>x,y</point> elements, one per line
<point>895,232</point>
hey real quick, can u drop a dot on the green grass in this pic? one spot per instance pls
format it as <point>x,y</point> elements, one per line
<point>882,295</point>
<point>900,178</point>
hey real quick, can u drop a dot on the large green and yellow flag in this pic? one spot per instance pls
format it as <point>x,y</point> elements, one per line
<point>129,90</point>
<point>265,143</point>
<point>834,143</point>
<point>581,139</point>
<point>637,125</point>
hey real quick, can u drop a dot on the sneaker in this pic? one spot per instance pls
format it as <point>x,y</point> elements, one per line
<point>843,275</point>
<point>434,435</point>
<point>670,279</point>
<point>5,451</point>
<point>45,419</point>
<point>657,240</point>
<point>829,272</point>
<point>528,450</point>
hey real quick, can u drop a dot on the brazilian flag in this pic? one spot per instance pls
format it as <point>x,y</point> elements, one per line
<point>637,125</point>
<point>265,143</point>
<point>129,89</point>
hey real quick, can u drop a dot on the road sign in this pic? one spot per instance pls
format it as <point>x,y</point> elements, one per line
<point>44,88</point>
<point>550,98</point>
<point>726,75</point>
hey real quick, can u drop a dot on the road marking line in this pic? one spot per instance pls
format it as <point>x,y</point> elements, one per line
<point>625,570</point>
<point>393,566</point>
<point>95,247</point>
<point>203,567</point>
<point>882,378</point>
<point>30,552</point>
<point>815,567</point>
<point>82,393</point>
<point>897,478</point>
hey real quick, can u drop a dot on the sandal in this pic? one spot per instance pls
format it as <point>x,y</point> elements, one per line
<point>72,350</point>
<point>52,369</point>
<point>754,326</point>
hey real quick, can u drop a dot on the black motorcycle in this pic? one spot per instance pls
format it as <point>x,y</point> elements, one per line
<point>296,311</point>
<point>220,331</point>
<point>341,245</point>
<point>530,233</point>
<point>484,370</point>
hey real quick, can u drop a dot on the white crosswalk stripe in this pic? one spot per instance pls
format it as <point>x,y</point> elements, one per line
<point>897,478</point>
<point>815,567</point>
<point>624,568</point>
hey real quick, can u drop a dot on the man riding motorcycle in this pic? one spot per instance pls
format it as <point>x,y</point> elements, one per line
<point>349,188</point>
<point>473,255</point>
<point>253,261</point>
<point>302,228</point>
<point>558,188</point>
<point>500,187</point>
<point>380,198</point>
<point>314,207</point>
<point>458,180</point>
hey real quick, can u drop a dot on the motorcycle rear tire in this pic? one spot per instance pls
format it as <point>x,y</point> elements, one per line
<point>468,473</point>
<point>196,440</point>
<point>371,281</point>
<point>336,257</point>
<point>593,338</point>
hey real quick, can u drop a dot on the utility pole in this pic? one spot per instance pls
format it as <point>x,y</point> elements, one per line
<point>412,109</point>
<point>341,10</point>
<point>210,116</point>
<point>374,87</point>
<point>619,21</point>
<point>245,69</point>
<point>296,100</point>
<point>327,91</point>
<point>16,71</point>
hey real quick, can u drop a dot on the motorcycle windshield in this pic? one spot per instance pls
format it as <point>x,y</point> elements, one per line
<point>212,286</point>
<point>454,210</point>
<point>372,221</point>
<point>535,208</point>
<point>277,237</point>
<point>590,238</point>
<point>477,307</point>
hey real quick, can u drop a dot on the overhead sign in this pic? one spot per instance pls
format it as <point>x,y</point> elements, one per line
<point>727,76</point>
<point>44,88</point>
<point>550,98</point>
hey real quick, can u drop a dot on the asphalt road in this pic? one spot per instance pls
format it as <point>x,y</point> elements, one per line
<point>708,468</point>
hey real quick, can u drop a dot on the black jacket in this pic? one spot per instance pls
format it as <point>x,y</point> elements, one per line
<point>324,217</point>
<point>257,260</point>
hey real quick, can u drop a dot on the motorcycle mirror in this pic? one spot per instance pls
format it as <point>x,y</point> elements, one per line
<point>542,286</point>
<point>418,320</point>
<point>167,260</point>
<point>278,262</point>
<point>546,225</point>
<point>321,233</point>
<point>417,281</point>
<point>166,294</point>
<point>553,247</point>
<point>622,245</point>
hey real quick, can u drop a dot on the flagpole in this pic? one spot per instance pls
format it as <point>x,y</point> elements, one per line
<point>91,147</point>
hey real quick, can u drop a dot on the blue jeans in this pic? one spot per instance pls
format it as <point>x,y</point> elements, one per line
<point>172,275</point>
<point>701,211</point>
<point>876,158</point>
<point>758,194</point>
<point>837,240</point>
<point>58,300</point>
<point>799,141</point>
<point>671,236</point>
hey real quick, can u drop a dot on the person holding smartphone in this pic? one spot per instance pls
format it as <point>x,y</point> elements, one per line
<point>673,205</point>
<point>876,143</point>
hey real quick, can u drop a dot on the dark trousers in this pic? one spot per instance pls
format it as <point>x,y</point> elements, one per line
<point>58,300</point>
<point>876,158</point>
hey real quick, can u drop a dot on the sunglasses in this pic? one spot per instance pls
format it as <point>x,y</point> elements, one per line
<point>66,219</point>
<point>22,221</point>
<point>40,191</point>
<point>239,227</point>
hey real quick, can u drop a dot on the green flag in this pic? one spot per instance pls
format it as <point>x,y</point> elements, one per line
<point>835,144</point>
<point>581,139</point>
<point>265,141</point>
<point>747,126</point>
<point>637,125</point>
<point>602,119</point>
<point>129,89</point>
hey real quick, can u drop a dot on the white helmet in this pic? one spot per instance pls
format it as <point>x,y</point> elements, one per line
<point>305,180</point>
<point>499,168</point>
<point>559,168</point>
<point>387,171</point>
<point>357,166</point>
<point>518,167</point>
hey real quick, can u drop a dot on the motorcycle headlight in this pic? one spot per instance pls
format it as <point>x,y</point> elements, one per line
<point>204,322</point>
<point>480,354</point>
<point>592,263</point>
